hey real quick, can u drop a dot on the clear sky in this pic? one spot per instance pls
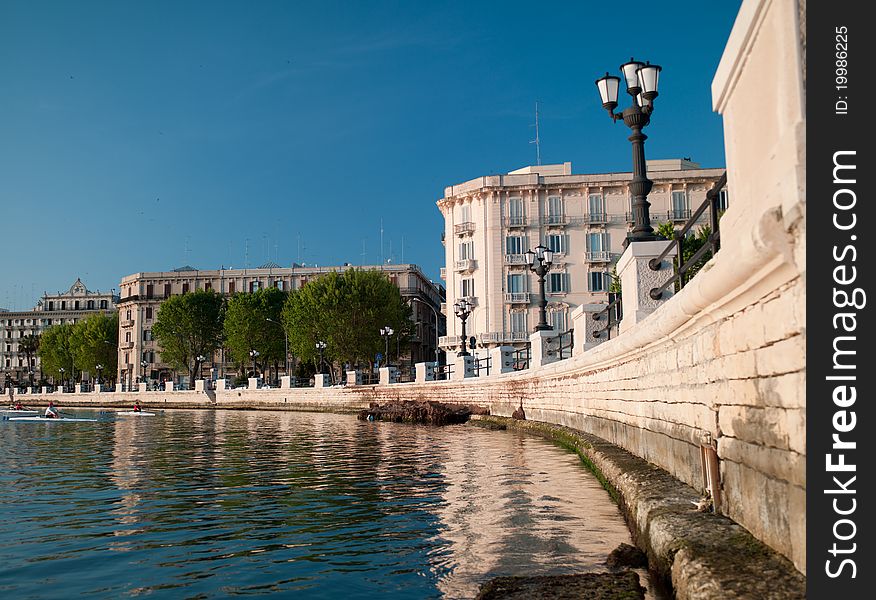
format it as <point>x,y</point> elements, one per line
<point>142,136</point>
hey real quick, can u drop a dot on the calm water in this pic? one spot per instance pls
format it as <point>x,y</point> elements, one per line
<point>215,504</point>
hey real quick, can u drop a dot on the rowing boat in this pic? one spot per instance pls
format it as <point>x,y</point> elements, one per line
<point>12,411</point>
<point>135,413</point>
<point>49,420</point>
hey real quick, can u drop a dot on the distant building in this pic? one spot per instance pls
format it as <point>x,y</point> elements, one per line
<point>71,306</point>
<point>490,222</point>
<point>141,295</point>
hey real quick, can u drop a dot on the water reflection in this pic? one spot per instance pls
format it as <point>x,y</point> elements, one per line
<point>220,503</point>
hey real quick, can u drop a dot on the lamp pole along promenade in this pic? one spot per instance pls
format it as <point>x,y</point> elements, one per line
<point>386,332</point>
<point>320,345</point>
<point>253,354</point>
<point>540,261</point>
<point>641,82</point>
<point>463,309</point>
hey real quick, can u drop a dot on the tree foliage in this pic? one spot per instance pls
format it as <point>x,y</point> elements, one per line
<point>691,243</point>
<point>253,322</point>
<point>95,341</point>
<point>347,310</point>
<point>187,326</point>
<point>57,352</point>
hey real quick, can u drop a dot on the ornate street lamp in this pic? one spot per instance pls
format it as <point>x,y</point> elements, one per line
<point>386,332</point>
<point>99,369</point>
<point>200,364</point>
<point>253,354</point>
<point>321,346</point>
<point>540,261</point>
<point>463,309</point>
<point>61,371</point>
<point>641,81</point>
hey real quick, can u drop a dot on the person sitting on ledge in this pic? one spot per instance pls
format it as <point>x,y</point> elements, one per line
<point>51,411</point>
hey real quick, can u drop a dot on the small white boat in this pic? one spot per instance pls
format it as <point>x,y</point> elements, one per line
<point>52,419</point>
<point>135,413</point>
<point>12,411</point>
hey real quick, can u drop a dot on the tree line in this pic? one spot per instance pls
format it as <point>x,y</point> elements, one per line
<point>68,350</point>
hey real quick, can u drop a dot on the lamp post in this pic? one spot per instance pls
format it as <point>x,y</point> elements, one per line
<point>253,354</point>
<point>99,368</point>
<point>540,261</point>
<point>61,371</point>
<point>320,346</point>
<point>386,332</point>
<point>200,364</point>
<point>435,312</point>
<point>641,82</point>
<point>463,309</point>
<point>286,346</point>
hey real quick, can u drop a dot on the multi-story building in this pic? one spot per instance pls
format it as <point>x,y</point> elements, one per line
<point>490,222</point>
<point>71,306</point>
<point>141,295</point>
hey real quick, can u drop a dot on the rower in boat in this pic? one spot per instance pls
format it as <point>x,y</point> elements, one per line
<point>18,405</point>
<point>51,411</point>
<point>137,406</point>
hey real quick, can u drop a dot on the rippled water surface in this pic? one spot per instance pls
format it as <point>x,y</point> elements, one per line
<point>216,504</point>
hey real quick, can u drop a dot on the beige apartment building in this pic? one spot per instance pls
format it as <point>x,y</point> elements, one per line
<point>72,306</point>
<point>490,222</point>
<point>141,295</point>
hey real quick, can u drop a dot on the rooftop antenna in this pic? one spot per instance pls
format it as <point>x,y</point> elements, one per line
<point>363,252</point>
<point>187,250</point>
<point>536,141</point>
<point>299,249</point>
<point>381,241</point>
<point>403,251</point>
<point>246,253</point>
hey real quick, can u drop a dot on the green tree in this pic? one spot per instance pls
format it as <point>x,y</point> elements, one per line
<point>95,342</point>
<point>56,351</point>
<point>187,326</point>
<point>346,310</point>
<point>253,322</point>
<point>29,345</point>
<point>689,246</point>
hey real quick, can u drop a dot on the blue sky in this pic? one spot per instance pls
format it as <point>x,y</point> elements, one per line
<point>141,136</point>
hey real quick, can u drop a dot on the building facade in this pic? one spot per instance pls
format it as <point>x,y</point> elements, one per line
<point>141,295</point>
<point>490,222</point>
<point>20,367</point>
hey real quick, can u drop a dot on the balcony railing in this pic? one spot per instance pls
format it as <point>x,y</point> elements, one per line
<point>517,297</point>
<point>598,256</point>
<point>126,345</point>
<point>515,221</point>
<point>127,323</point>
<point>515,259</point>
<point>443,273</point>
<point>597,218</point>
<point>463,228</point>
<point>555,220</point>
<point>679,214</point>
<point>466,264</point>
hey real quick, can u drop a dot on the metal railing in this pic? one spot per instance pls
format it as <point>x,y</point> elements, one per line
<point>515,221</point>
<point>598,256</point>
<point>517,297</point>
<point>554,220</point>
<point>565,342</point>
<point>521,358</point>
<point>614,308</point>
<point>711,245</point>
<point>483,364</point>
<point>443,371</point>
<point>597,218</point>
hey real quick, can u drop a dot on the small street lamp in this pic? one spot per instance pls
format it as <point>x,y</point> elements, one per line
<point>544,259</point>
<point>143,364</point>
<point>253,354</point>
<point>463,309</point>
<point>61,371</point>
<point>641,82</point>
<point>286,336</point>
<point>386,332</point>
<point>98,367</point>
<point>200,363</point>
<point>320,346</point>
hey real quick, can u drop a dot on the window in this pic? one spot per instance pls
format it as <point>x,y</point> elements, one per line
<point>465,213</point>
<point>596,204</point>
<point>150,289</point>
<point>555,206</point>
<point>148,312</point>
<point>280,284</point>
<point>254,286</point>
<point>230,287</point>
<point>723,200</point>
<point>515,212</point>
<point>558,283</point>
<point>76,305</point>
<point>516,283</point>
<point>63,305</point>
<point>558,320</point>
<point>680,209</point>
<point>91,305</point>
<point>467,288</point>
<point>208,286</point>
<point>466,251</point>
<point>167,290</point>
<point>598,281</point>
<point>51,305</point>
<point>598,242</point>
<point>185,289</point>
<point>556,243</point>
<point>515,244</point>
<point>103,303</point>
<point>128,315</point>
<point>127,358</point>
<point>127,336</point>
<point>518,322</point>
<point>147,335</point>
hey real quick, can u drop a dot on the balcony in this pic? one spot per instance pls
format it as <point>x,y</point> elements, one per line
<point>517,297</point>
<point>466,265</point>
<point>600,256</point>
<point>126,345</point>
<point>597,218</point>
<point>631,219</point>
<point>450,341</point>
<point>443,273</point>
<point>554,220</point>
<point>464,228</point>
<point>679,214</point>
<point>515,259</point>
<point>126,323</point>
<point>515,221</point>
